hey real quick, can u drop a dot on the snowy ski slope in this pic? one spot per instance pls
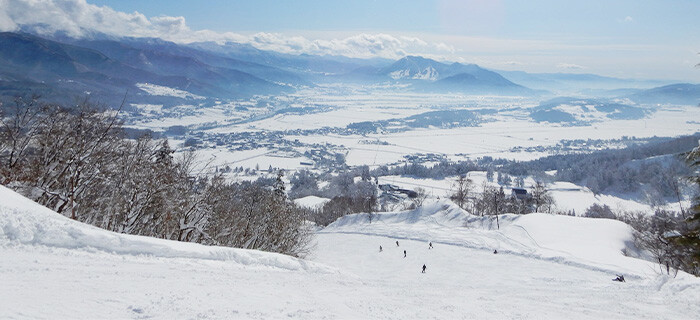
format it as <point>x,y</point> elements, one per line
<point>548,267</point>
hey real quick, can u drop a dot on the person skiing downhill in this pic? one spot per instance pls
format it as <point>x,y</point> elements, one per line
<point>423,269</point>
<point>397,243</point>
<point>404,253</point>
<point>380,248</point>
<point>430,245</point>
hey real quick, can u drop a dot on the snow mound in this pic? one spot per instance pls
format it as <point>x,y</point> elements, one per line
<point>25,222</point>
<point>601,244</point>
<point>311,202</point>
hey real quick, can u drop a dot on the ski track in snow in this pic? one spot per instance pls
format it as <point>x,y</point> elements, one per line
<point>56,268</point>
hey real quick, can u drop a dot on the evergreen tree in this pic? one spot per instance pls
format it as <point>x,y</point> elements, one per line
<point>519,182</point>
<point>364,173</point>
<point>164,156</point>
<point>689,240</point>
<point>279,186</point>
<point>504,179</point>
<point>304,183</point>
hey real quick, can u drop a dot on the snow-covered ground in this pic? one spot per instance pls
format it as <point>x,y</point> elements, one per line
<point>547,267</point>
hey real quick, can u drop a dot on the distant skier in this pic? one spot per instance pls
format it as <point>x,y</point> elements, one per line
<point>397,243</point>
<point>404,253</point>
<point>380,248</point>
<point>620,278</point>
<point>423,269</point>
<point>495,251</point>
<point>430,245</point>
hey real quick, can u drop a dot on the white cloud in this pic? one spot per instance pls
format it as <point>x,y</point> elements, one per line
<point>445,47</point>
<point>170,25</point>
<point>570,66</point>
<point>6,23</point>
<point>77,18</point>
<point>628,19</point>
<point>512,63</point>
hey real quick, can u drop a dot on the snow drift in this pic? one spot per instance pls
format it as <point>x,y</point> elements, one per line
<point>23,221</point>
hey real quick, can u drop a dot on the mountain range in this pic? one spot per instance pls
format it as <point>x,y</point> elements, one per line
<point>62,69</point>
<point>109,70</point>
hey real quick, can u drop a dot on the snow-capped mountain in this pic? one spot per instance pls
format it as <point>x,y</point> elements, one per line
<point>63,68</point>
<point>433,76</point>
<point>419,68</point>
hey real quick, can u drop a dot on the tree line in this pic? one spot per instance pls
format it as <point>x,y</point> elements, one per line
<point>346,195</point>
<point>647,169</point>
<point>637,168</point>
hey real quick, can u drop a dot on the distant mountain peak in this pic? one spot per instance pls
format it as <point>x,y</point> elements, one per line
<point>415,68</point>
<point>428,74</point>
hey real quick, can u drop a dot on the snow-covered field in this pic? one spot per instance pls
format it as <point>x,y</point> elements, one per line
<point>495,139</point>
<point>156,90</point>
<point>336,107</point>
<point>567,196</point>
<point>547,267</point>
<point>261,158</point>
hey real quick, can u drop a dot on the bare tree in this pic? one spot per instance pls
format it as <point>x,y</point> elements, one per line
<point>18,129</point>
<point>78,162</point>
<point>541,198</point>
<point>461,191</point>
<point>421,196</point>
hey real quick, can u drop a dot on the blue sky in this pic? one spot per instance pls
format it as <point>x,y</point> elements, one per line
<point>658,19</point>
<point>632,39</point>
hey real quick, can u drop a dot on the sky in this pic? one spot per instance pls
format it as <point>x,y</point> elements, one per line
<point>622,38</point>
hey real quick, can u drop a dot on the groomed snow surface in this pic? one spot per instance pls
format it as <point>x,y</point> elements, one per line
<point>547,267</point>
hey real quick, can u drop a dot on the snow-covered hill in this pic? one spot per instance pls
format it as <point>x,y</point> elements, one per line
<point>311,202</point>
<point>596,244</point>
<point>547,267</point>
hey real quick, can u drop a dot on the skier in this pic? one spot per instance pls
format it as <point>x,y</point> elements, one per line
<point>397,243</point>
<point>380,248</point>
<point>620,278</point>
<point>423,269</point>
<point>430,245</point>
<point>404,253</point>
<point>495,251</point>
